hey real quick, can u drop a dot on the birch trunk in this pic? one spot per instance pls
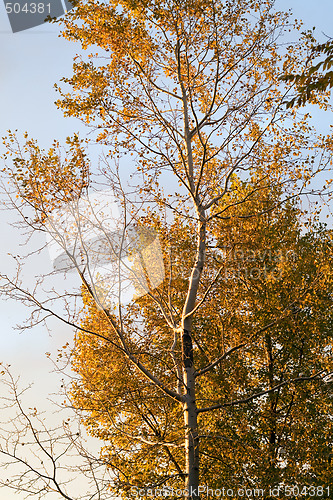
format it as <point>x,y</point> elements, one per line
<point>190,406</point>
<point>191,421</point>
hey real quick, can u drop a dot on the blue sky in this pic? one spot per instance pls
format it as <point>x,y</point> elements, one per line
<point>30,63</point>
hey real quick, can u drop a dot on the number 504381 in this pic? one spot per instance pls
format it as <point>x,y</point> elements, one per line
<point>310,491</point>
<point>28,8</point>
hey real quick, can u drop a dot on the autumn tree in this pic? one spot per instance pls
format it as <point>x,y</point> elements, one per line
<point>191,92</point>
<point>316,77</point>
<point>270,309</point>
<point>274,266</point>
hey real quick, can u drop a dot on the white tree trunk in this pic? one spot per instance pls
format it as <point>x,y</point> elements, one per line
<point>191,421</point>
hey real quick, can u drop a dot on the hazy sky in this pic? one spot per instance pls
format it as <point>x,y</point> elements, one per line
<point>31,62</point>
